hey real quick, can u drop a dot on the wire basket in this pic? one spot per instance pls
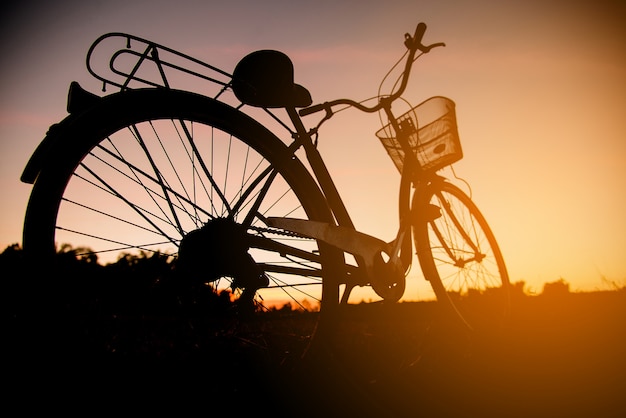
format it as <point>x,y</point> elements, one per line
<point>431,132</point>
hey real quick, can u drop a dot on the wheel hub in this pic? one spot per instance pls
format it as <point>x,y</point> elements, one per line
<point>220,249</point>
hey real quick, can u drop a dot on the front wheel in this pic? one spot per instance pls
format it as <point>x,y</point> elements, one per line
<point>460,257</point>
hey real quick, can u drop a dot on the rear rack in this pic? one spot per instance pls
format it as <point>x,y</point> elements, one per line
<point>134,61</point>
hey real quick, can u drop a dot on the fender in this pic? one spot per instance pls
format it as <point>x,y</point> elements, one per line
<point>79,100</point>
<point>127,107</point>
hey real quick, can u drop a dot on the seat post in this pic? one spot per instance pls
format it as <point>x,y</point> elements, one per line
<point>329,189</point>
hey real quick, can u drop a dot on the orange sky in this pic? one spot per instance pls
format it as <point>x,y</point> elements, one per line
<point>540,89</point>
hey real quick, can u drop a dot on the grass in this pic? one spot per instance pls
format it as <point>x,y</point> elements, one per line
<point>561,354</point>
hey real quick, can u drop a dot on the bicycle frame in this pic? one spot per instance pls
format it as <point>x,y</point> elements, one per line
<point>386,277</point>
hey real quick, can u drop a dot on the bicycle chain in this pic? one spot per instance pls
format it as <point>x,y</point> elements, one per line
<point>278,232</point>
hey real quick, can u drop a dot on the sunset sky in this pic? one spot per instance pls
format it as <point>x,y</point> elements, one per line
<point>540,89</point>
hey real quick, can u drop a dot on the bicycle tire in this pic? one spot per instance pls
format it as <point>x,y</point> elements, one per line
<point>116,140</point>
<point>461,258</point>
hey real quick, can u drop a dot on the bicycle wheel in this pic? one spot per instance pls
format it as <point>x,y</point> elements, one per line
<point>460,257</point>
<point>153,171</point>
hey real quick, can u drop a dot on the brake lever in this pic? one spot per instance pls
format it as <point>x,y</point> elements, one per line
<point>426,49</point>
<point>413,43</point>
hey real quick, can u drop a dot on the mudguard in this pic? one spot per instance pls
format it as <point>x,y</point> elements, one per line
<point>79,100</point>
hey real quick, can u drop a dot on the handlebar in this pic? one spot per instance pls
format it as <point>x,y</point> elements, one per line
<point>413,43</point>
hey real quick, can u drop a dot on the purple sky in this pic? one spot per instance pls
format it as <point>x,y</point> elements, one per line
<point>540,89</point>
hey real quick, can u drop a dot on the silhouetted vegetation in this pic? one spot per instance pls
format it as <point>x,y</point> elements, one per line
<point>130,324</point>
<point>138,307</point>
<point>143,283</point>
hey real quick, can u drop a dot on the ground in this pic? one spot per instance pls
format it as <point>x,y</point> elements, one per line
<point>559,356</point>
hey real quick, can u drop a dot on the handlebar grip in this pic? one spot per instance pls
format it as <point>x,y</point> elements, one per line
<point>313,109</point>
<point>419,32</point>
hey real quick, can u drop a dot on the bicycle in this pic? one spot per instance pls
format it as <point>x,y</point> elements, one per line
<point>241,208</point>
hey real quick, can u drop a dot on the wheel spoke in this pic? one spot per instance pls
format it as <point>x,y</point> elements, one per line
<point>129,203</point>
<point>124,246</point>
<point>138,173</point>
<point>268,173</point>
<point>157,173</point>
<point>198,156</point>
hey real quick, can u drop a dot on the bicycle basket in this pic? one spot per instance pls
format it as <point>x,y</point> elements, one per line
<point>431,131</point>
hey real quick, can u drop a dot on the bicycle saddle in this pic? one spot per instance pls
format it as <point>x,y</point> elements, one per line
<point>265,79</point>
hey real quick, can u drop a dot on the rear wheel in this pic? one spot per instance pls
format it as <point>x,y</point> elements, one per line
<point>172,174</point>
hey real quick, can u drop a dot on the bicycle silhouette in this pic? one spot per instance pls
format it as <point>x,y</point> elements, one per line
<point>202,175</point>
